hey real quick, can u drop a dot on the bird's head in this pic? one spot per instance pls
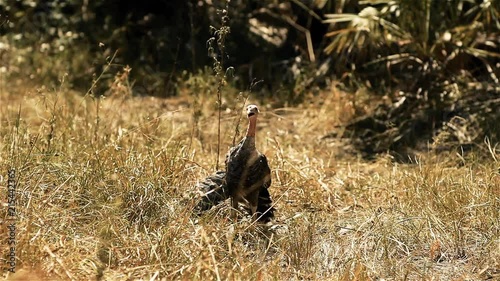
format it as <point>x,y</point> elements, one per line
<point>252,110</point>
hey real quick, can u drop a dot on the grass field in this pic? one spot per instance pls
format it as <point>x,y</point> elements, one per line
<point>106,191</point>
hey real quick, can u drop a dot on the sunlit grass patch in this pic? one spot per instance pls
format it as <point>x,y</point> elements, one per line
<point>106,191</point>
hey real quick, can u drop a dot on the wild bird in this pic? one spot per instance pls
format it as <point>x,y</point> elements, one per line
<point>246,179</point>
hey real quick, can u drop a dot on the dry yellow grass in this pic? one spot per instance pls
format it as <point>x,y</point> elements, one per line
<point>106,187</point>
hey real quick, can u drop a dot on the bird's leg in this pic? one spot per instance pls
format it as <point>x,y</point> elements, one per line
<point>253,203</point>
<point>234,205</point>
<point>253,209</point>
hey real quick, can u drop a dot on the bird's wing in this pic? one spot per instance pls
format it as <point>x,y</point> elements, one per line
<point>236,167</point>
<point>232,151</point>
<point>259,171</point>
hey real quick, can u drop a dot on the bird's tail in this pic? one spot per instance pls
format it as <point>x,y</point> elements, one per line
<point>213,190</point>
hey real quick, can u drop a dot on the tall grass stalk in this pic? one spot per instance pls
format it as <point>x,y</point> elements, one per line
<point>218,56</point>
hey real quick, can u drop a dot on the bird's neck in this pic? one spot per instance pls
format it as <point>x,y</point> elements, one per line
<point>252,124</point>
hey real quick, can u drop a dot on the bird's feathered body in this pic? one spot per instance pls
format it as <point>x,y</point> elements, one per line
<point>247,172</point>
<point>215,191</point>
<point>246,179</point>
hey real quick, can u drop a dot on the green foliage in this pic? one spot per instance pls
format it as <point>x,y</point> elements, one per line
<point>79,37</point>
<point>438,59</point>
<point>158,41</point>
<point>440,56</point>
<point>399,39</point>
